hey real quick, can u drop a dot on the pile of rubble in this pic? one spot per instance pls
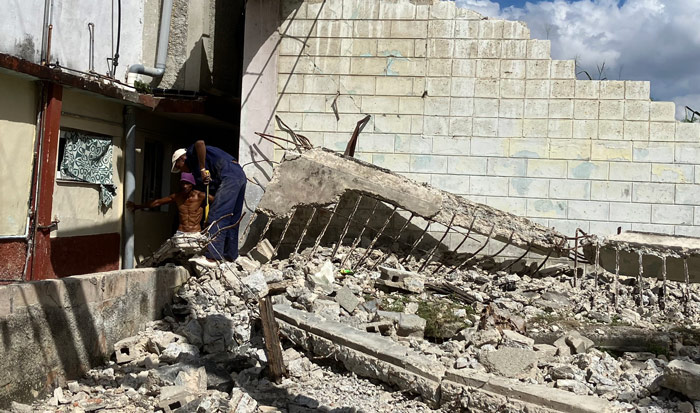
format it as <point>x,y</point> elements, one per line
<point>524,328</point>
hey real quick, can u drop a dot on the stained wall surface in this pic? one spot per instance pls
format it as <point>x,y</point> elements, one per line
<point>474,106</point>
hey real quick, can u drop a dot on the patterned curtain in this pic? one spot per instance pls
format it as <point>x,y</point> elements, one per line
<point>89,158</point>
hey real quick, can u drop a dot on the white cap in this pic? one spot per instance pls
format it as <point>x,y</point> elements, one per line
<point>176,155</point>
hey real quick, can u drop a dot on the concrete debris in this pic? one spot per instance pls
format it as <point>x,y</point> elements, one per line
<point>179,247</point>
<point>529,343</point>
<point>399,280</point>
<point>683,377</point>
<point>263,252</point>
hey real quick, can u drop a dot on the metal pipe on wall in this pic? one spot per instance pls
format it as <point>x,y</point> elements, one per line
<point>129,185</point>
<point>162,51</point>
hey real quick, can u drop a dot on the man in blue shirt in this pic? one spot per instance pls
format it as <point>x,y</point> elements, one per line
<point>226,179</point>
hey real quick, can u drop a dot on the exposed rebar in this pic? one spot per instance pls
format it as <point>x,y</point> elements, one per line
<point>303,232</point>
<point>347,226</point>
<point>284,231</point>
<point>374,240</point>
<point>430,254</point>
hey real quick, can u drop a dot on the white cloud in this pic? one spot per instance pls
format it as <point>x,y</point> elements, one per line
<point>653,40</point>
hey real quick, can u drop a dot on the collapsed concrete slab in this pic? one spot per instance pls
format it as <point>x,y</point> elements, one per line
<point>319,178</point>
<point>682,255</point>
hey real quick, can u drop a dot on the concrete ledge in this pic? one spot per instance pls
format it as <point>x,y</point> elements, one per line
<point>374,356</point>
<point>54,330</point>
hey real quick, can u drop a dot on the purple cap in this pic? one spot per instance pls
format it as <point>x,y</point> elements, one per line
<point>187,177</point>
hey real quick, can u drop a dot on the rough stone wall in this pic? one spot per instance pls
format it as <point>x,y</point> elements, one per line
<point>475,107</point>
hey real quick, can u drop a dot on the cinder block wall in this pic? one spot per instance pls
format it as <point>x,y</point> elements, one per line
<point>474,106</point>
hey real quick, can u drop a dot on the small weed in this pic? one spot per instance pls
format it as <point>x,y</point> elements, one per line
<point>142,87</point>
<point>617,321</point>
<point>398,305</point>
<point>441,321</point>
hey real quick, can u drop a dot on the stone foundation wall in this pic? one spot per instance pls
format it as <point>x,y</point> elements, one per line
<point>55,330</point>
<point>474,106</point>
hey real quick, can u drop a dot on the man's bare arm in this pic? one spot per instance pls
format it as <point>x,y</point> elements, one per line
<point>201,150</point>
<point>151,204</point>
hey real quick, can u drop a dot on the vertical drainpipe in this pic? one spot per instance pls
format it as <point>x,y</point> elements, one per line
<point>129,184</point>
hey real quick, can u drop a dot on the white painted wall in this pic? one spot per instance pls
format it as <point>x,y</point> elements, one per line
<point>21,31</point>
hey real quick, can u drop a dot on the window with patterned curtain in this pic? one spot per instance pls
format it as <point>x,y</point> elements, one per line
<point>88,157</point>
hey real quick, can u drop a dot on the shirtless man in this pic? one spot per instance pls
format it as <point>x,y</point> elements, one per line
<point>188,201</point>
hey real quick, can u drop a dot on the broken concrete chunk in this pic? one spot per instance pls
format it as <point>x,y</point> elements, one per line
<point>129,349</point>
<point>510,362</point>
<point>262,252</point>
<point>247,264</point>
<point>515,339</point>
<point>394,279</point>
<point>241,402</point>
<point>326,308</point>
<point>176,351</point>
<point>382,327</point>
<point>546,350</point>
<point>411,325</point>
<point>193,332</point>
<point>572,386</point>
<point>347,299</point>
<point>324,278</point>
<point>683,377</point>
<point>483,337</point>
<point>173,397</point>
<point>255,286</point>
<point>193,379</point>
<point>578,343</point>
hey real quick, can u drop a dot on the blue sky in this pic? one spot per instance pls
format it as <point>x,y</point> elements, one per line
<point>656,40</point>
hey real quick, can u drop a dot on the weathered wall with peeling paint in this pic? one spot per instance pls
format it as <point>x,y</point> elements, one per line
<point>474,106</point>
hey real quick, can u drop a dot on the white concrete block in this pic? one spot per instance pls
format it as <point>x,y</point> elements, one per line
<point>463,13</point>
<point>652,152</point>
<point>491,29</point>
<point>437,106</point>
<point>323,46</point>
<point>587,89</point>
<point>687,194</point>
<point>570,149</point>
<point>417,124</point>
<point>514,49</point>
<point>660,229</point>
<point>373,66</point>
<point>563,69</point>
<point>546,168</point>
<point>439,67</point>
<point>570,189</point>
<point>588,170</point>
<point>517,206</point>
<point>334,28</point>
<point>420,48</point>
<point>487,88</point>
<point>307,103</point>
<point>629,212</point>
<point>442,10</point>
<point>535,128</point>
<point>461,106</point>
<point>506,167</point>
<point>361,10</point>
<point>671,173</point>
<point>485,126</point>
<point>325,10</point>
<point>611,129</point>
<point>653,193</point>
<point>489,146</point>
<point>440,48</point>
<point>436,125</point>
<point>411,105</point>
<point>428,164</point>
<point>451,146</point>
<point>515,30</point>
<point>464,67</point>
<point>585,129</point>
<point>488,68</point>
<point>381,29</point>
<point>295,64</point>
<point>546,208</point>
<point>608,228</point>
<point>611,151</point>
<point>538,69</point>
<point>413,144</point>
<point>635,89</point>
<point>376,142</point>
<point>396,47</point>
<point>437,86</point>
<point>391,10</point>
<point>394,86</point>
<point>466,49</point>
<point>529,187</point>
<point>403,29</point>
<point>512,88</point>
<point>672,214</point>
<point>333,141</point>
<point>489,186</point>
<point>687,132</point>
<point>529,147</point>
<point>464,87</point>
<point>688,231</point>
<point>662,131</point>
<point>538,49</point>
<point>568,227</point>
<point>536,108</point>
<point>511,108</point>
<point>380,104</point>
<point>562,89</point>
<point>461,126</point>
<point>489,49</point>
<point>349,122</point>
<point>612,89</point>
<point>298,28</point>
<point>586,109</point>
<point>357,85</point>
<point>392,124</point>
<point>561,108</point>
<point>392,161</point>
<point>612,109</point>
<point>319,122</point>
<point>441,28</point>
<point>510,128</point>
<point>687,153</point>
<point>591,210</point>
<point>611,191</point>
<point>465,165</point>
<point>537,88</point>
<point>560,128</point>
<point>513,69</point>
<point>292,83</point>
<point>457,184</point>
<point>466,29</point>
<point>636,131</point>
<point>290,47</point>
<point>637,110</point>
<point>662,111</point>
